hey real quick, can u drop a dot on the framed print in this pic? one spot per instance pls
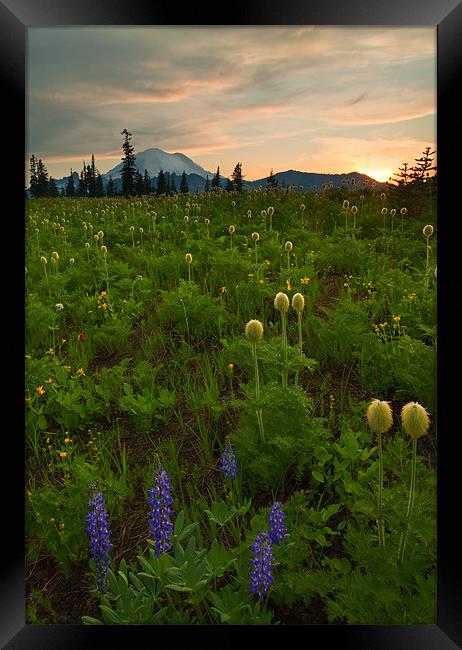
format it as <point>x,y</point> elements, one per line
<point>236,398</point>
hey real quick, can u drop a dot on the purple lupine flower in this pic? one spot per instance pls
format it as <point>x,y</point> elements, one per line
<point>277,527</point>
<point>160,499</point>
<point>228,460</point>
<point>261,577</point>
<point>98,529</point>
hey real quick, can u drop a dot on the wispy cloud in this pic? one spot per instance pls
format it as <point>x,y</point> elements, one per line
<point>260,95</point>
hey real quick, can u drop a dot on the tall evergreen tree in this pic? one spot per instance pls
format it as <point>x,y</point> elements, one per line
<point>147,187</point>
<point>237,177</point>
<point>42,179</point>
<point>33,183</point>
<point>128,172</point>
<point>110,190</point>
<point>99,185</point>
<point>83,188</point>
<point>173,189</point>
<point>184,188</point>
<point>91,177</point>
<point>70,188</point>
<point>216,179</point>
<point>207,185</point>
<point>424,166</point>
<point>161,184</point>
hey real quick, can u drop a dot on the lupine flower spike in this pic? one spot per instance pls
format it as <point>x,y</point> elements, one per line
<point>261,577</point>
<point>98,530</point>
<point>160,513</point>
<point>228,460</point>
<point>277,528</point>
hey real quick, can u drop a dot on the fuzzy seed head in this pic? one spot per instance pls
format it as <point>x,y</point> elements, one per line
<point>254,331</point>
<point>100,234</point>
<point>263,214</point>
<point>354,209</point>
<point>43,260</point>
<point>298,302</point>
<point>403,211</point>
<point>55,256</point>
<point>393,212</point>
<point>71,260</point>
<point>188,258</point>
<point>186,218</point>
<point>288,246</point>
<point>281,302</point>
<point>428,230</point>
<point>379,416</point>
<point>255,236</point>
<point>232,230</point>
<point>346,204</point>
<point>207,221</point>
<point>384,210</point>
<point>302,207</point>
<point>415,419</point>
<point>270,211</point>
<point>104,250</point>
<point>87,244</point>
<point>132,228</point>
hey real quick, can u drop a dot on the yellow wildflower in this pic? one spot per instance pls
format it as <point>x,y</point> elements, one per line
<point>67,440</point>
<point>40,390</point>
<point>305,280</point>
<point>81,372</point>
<point>50,351</point>
<point>63,454</point>
<point>222,290</point>
<point>68,368</point>
<point>49,380</point>
<point>230,365</point>
<point>289,288</point>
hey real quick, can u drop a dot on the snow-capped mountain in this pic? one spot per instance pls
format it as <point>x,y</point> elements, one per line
<point>155,159</point>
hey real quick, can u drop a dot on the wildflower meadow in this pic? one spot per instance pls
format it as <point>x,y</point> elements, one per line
<point>230,405</point>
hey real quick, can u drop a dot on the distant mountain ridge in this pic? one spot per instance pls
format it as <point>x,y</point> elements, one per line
<point>154,159</point>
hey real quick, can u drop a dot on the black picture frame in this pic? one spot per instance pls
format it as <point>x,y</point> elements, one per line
<point>16,16</point>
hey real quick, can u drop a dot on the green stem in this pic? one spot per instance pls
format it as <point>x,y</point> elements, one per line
<point>300,341</point>
<point>257,392</point>
<point>410,503</point>
<point>380,523</point>
<point>284,347</point>
<point>288,261</point>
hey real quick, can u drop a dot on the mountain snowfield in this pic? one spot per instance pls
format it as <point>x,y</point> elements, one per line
<point>155,159</point>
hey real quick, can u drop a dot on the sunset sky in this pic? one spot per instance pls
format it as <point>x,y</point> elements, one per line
<point>314,99</point>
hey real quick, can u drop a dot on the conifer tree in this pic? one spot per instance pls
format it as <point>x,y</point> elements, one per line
<point>70,188</point>
<point>229,185</point>
<point>99,185</point>
<point>161,184</point>
<point>147,187</point>
<point>83,188</point>
<point>216,179</point>
<point>52,188</point>
<point>33,183</point>
<point>110,190</point>
<point>42,179</point>
<point>128,172</point>
<point>237,177</point>
<point>184,188</point>
<point>207,185</point>
<point>173,189</point>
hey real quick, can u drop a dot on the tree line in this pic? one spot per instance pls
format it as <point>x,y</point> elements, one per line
<point>133,182</point>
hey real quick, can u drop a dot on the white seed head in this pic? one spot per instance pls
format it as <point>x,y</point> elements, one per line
<point>43,260</point>
<point>104,250</point>
<point>415,419</point>
<point>71,260</point>
<point>393,212</point>
<point>354,209</point>
<point>255,236</point>
<point>186,218</point>
<point>403,211</point>
<point>87,244</point>
<point>346,204</point>
<point>288,246</point>
<point>428,230</point>
<point>384,210</point>
<point>188,258</point>
<point>379,416</point>
<point>55,256</point>
<point>270,211</point>
<point>232,230</point>
<point>298,302</point>
<point>254,331</point>
<point>281,302</point>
